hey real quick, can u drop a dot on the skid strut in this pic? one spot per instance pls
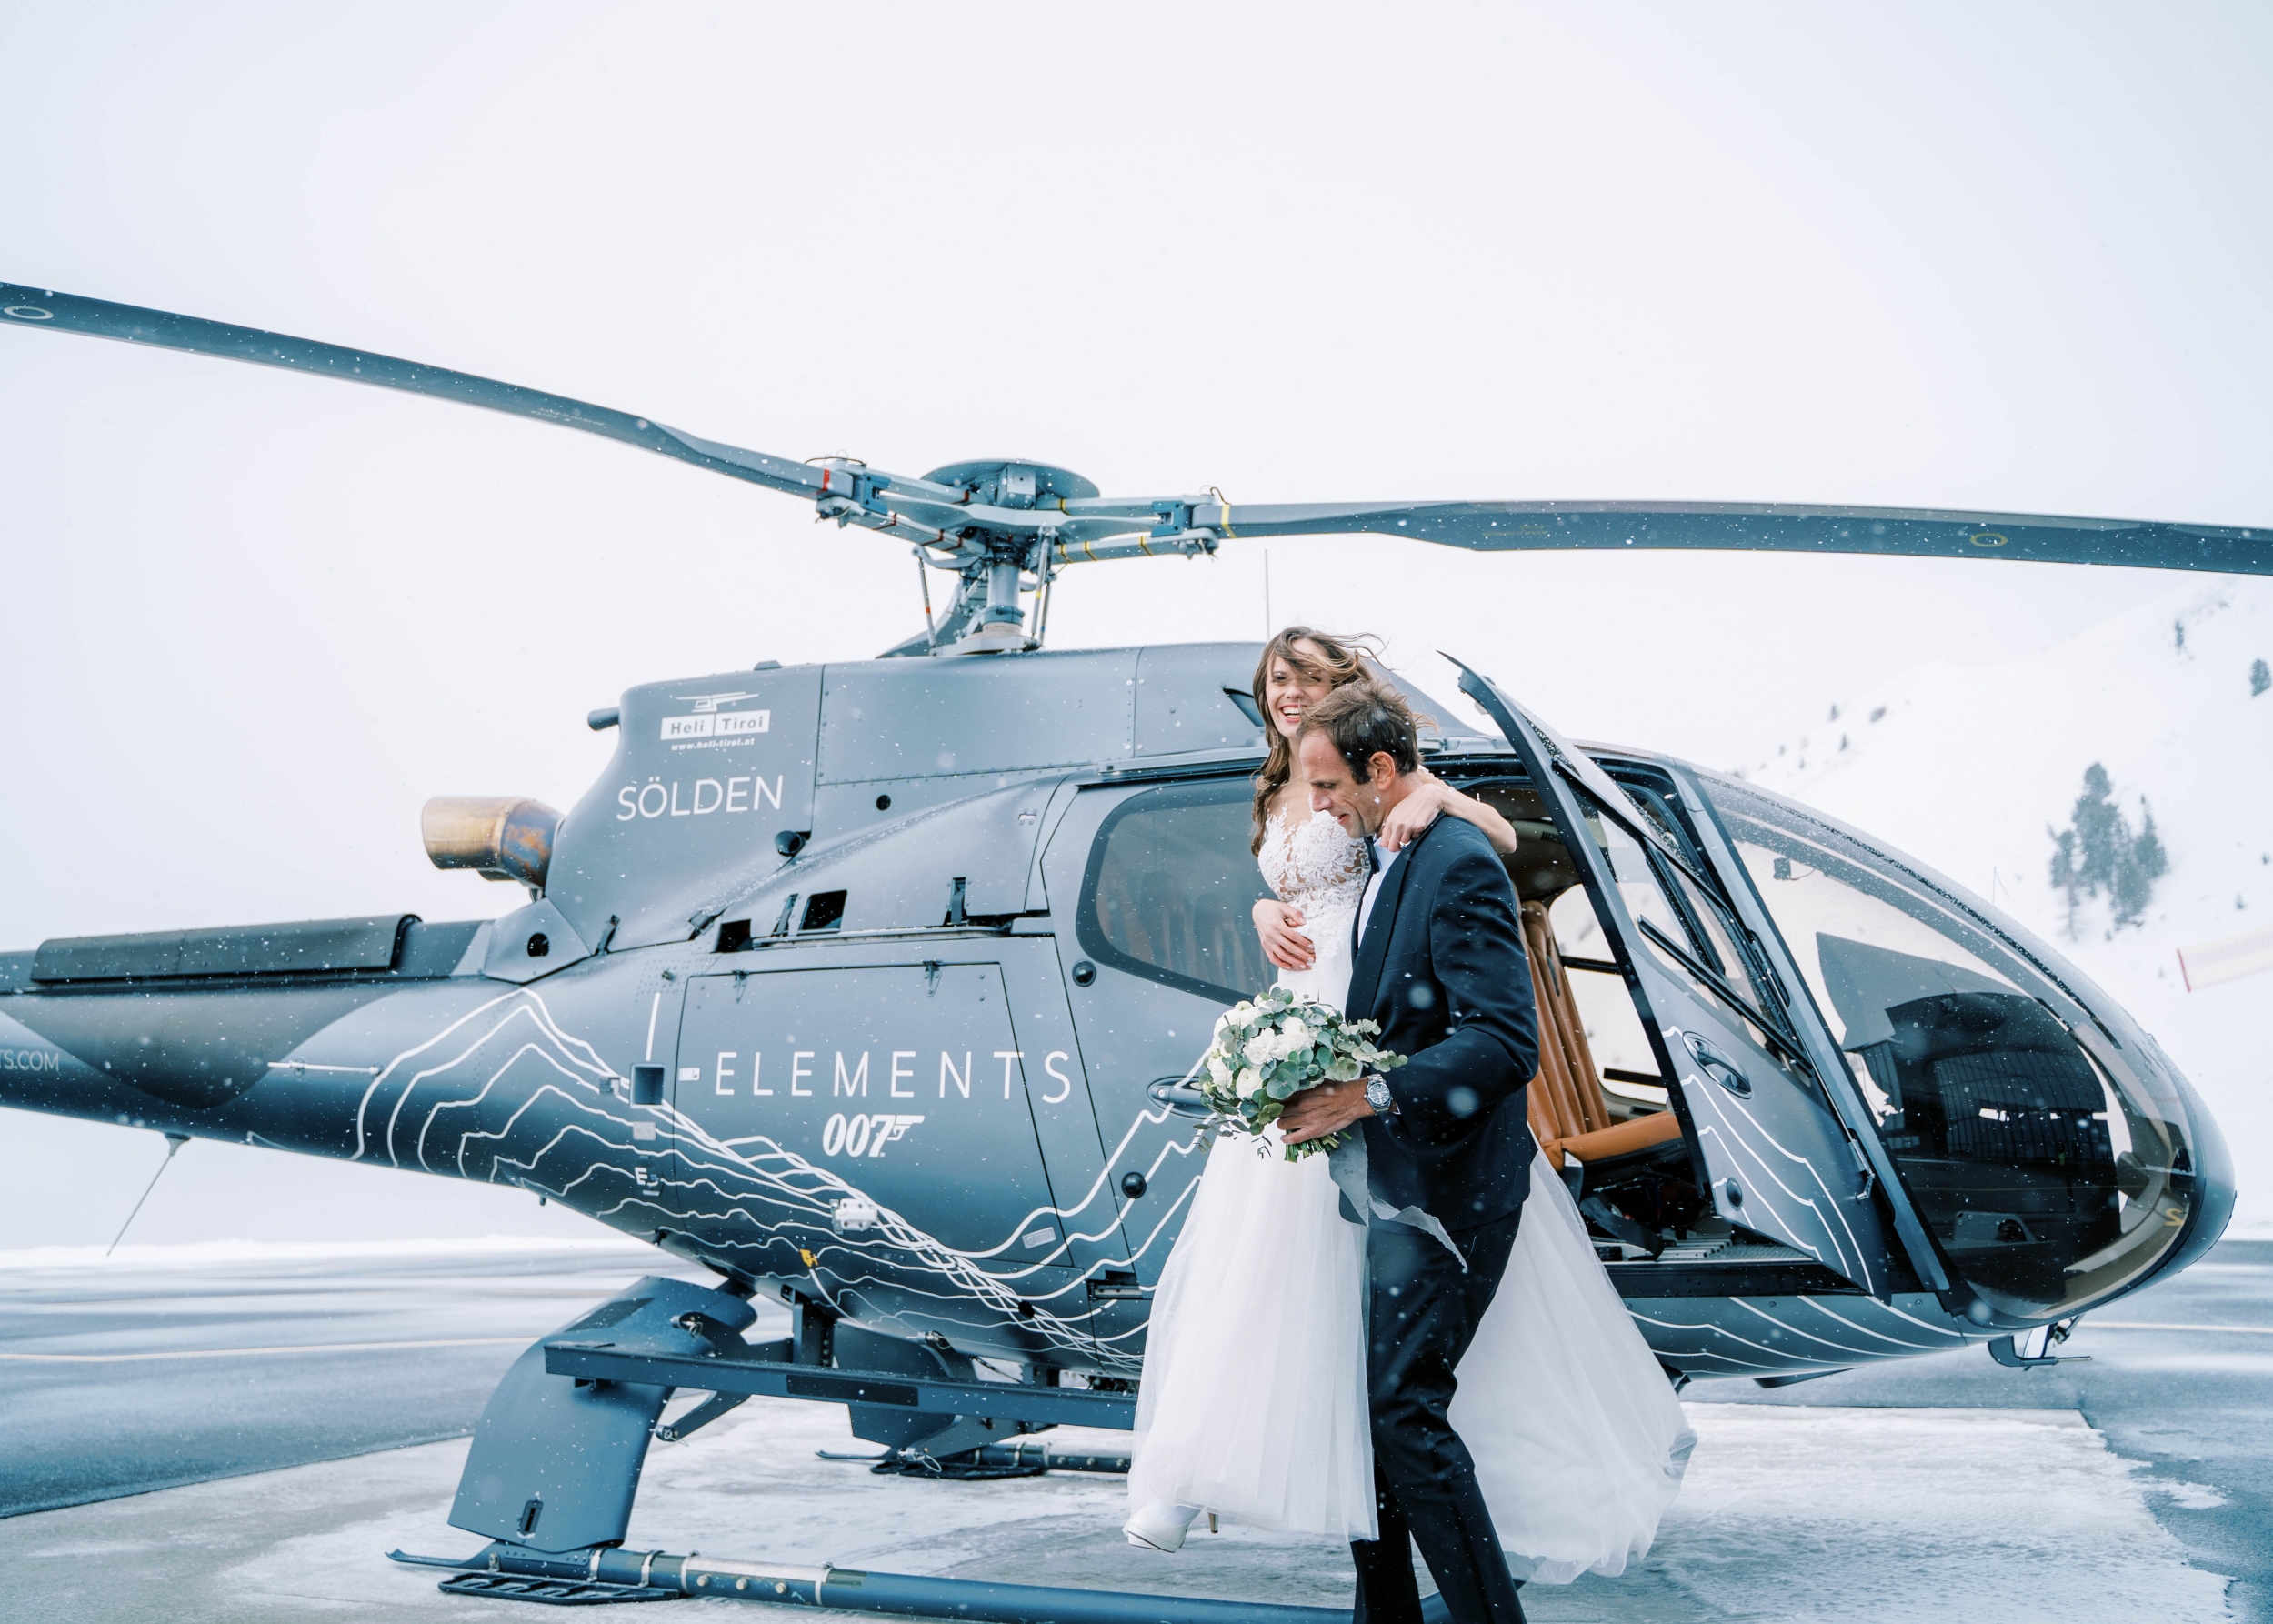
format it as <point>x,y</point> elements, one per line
<point>582,1579</point>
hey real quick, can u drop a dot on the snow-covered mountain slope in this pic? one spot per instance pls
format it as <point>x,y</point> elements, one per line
<point>1969,767</point>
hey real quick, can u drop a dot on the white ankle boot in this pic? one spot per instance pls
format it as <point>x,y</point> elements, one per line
<point>1160,1526</point>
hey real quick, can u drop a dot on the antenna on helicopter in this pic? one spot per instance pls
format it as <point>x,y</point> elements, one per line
<point>174,1142</point>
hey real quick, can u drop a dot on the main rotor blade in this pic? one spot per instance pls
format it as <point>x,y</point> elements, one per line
<point>1097,528</point>
<point>131,324</point>
<point>1903,532</point>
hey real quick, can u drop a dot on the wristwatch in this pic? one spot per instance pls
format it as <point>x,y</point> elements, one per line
<point>1378,1095</point>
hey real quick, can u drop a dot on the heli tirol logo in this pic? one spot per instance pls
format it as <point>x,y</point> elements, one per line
<point>708,721</point>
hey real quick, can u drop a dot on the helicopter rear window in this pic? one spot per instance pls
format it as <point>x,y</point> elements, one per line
<point>1171,887</point>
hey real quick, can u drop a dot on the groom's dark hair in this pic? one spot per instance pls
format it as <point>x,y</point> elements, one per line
<point>1365,719</point>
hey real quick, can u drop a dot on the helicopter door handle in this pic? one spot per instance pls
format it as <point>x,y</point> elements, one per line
<point>1182,1101</point>
<point>1710,1059</point>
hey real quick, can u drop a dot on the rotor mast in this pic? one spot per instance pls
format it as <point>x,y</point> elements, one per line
<point>1003,528</point>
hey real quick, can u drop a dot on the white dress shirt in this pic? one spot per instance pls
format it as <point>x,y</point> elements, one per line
<point>1382,859</point>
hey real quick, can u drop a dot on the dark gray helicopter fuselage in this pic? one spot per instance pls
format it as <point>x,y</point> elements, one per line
<point>921,947</point>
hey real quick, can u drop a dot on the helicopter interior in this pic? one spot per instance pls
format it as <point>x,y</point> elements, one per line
<point>1600,1106</point>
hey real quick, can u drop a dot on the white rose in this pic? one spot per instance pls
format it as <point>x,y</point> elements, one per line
<point>1293,1037</point>
<point>1220,1070</point>
<point>1260,1049</point>
<point>1249,1080</point>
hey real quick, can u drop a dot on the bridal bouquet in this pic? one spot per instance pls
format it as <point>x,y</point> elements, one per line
<point>1270,1048</point>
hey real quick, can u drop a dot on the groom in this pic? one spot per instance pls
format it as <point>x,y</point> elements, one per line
<point>1440,965</point>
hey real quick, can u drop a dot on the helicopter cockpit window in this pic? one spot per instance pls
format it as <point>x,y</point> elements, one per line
<point>1171,887</point>
<point>2046,1169</point>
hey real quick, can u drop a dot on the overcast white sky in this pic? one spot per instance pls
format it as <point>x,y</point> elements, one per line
<point>2010,258</point>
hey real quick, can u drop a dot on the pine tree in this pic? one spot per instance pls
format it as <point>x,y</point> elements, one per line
<point>2101,833</point>
<point>2097,854</point>
<point>2143,862</point>
<point>2064,871</point>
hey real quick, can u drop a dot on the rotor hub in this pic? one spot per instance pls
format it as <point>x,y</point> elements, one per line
<point>1009,483</point>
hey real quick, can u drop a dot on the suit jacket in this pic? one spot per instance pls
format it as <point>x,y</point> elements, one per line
<point>1441,966</point>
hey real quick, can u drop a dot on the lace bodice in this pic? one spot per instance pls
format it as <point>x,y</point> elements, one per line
<point>1314,863</point>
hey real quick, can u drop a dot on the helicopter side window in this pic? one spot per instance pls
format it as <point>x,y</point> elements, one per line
<point>2049,1174</point>
<point>1170,888</point>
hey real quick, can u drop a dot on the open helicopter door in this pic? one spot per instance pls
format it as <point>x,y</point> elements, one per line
<point>1776,1157</point>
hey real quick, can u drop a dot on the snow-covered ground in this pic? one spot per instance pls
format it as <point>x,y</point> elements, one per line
<point>1789,1514</point>
<point>1969,767</point>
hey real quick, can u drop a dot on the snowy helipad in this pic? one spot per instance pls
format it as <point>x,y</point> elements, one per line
<point>1789,1513</point>
<point>2002,1500</point>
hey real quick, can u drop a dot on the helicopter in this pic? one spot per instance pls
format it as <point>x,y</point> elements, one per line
<point>874,986</point>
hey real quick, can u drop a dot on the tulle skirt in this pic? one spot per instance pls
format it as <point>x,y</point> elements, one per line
<point>1578,1442</point>
<point>1253,1403</point>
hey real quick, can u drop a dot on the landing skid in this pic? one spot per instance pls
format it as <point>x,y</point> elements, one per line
<point>557,1455</point>
<point>603,1575</point>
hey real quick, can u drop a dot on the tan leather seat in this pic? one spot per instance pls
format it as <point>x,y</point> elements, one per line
<point>1568,1113</point>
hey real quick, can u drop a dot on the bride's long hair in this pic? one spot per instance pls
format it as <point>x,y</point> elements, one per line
<point>1338,659</point>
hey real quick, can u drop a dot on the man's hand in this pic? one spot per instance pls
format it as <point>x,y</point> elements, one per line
<point>1328,1108</point>
<point>1277,923</point>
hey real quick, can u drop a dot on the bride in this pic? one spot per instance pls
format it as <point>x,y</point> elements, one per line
<point>1253,1404</point>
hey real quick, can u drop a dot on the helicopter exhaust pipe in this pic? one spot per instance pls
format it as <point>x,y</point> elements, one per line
<point>610,1573</point>
<point>499,836</point>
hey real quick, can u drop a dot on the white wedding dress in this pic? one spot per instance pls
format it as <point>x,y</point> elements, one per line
<point>1253,1403</point>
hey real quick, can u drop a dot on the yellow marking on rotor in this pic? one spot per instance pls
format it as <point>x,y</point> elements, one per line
<point>1087,547</point>
<point>1224,523</point>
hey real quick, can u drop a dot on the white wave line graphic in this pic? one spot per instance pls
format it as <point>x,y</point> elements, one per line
<point>1738,1142</point>
<point>1838,1207</point>
<point>1174,1207</point>
<point>462,1105</point>
<point>526,1003</point>
<point>1937,1329</point>
<point>942,1260</point>
<point>1671,1324</point>
<point>1863,1329</point>
<point>752,1180</point>
<point>362,1110</point>
<point>1794,1330</point>
<point>1143,1118</point>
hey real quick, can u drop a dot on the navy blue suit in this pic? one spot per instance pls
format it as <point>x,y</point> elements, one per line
<point>1441,966</point>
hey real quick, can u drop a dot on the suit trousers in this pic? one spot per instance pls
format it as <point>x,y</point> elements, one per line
<point>1424,1312</point>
